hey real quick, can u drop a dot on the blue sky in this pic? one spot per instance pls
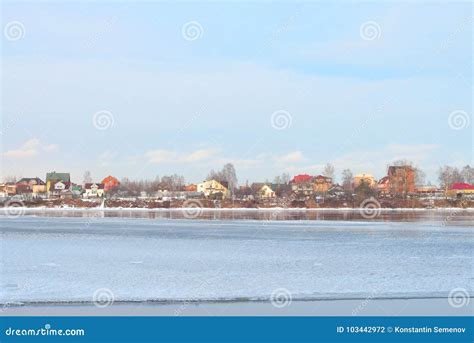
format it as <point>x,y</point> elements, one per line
<point>188,105</point>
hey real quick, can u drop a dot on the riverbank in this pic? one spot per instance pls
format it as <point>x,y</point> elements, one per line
<point>235,209</point>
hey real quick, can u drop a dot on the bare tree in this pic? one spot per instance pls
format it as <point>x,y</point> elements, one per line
<point>277,180</point>
<point>329,171</point>
<point>282,179</point>
<point>402,162</point>
<point>173,182</point>
<point>227,174</point>
<point>467,174</point>
<point>420,177</point>
<point>87,177</point>
<point>230,175</point>
<point>444,177</point>
<point>213,175</point>
<point>10,179</point>
<point>347,179</point>
<point>285,178</point>
<point>363,190</point>
<point>178,182</point>
<point>448,175</point>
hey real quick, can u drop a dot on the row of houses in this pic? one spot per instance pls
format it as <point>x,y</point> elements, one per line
<point>399,181</point>
<point>57,185</point>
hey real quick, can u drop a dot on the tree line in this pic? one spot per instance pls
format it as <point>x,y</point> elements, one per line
<point>447,175</point>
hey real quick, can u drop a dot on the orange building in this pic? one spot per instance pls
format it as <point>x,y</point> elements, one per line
<point>368,179</point>
<point>8,188</point>
<point>110,182</point>
<point>191,188</point>
<point>321,183</point>
<point>401,179</point>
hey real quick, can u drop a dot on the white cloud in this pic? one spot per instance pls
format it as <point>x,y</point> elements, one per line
<point>239,163</point>
<point>159,156</point>
<point>50,147</point>
<point>292,157</point>
<point>410,151</point>
<point>32,143</point>
<point>19,153</point>
<point>162,156</point>
<point>198,155</point>
<point>30,148</point>
<point>106,158</point>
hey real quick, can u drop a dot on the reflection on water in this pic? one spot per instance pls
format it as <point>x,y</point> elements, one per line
<point>448,217</point>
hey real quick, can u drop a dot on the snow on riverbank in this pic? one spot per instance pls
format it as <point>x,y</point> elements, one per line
<point>262,209</point>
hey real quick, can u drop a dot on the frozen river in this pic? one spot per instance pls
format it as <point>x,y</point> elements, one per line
<point>67,259</point>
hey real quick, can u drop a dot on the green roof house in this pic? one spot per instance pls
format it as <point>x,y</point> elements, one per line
<point>53,177</point>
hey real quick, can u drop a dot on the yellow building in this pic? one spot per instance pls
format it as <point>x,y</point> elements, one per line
<point>262,191</point>
<point>37,189</point>
<point>368,179</point>
<point>212,187</point>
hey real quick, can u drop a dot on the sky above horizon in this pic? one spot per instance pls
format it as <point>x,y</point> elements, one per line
<point>153,88</point>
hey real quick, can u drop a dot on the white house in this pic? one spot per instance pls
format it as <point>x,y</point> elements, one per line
<point>93,190</point>
<point>59,186</point>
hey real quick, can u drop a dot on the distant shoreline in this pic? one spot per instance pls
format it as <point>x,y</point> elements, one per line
<point>237,209</point>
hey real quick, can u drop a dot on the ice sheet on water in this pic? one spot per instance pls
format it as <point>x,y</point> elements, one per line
<point>68,259</point>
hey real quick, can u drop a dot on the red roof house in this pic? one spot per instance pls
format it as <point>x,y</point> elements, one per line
<point>301,178</point>
<point>459,189</point>
<point>461,186</point>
